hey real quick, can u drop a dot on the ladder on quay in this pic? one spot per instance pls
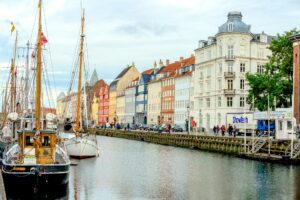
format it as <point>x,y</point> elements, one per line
<point>296,151</point>
<point>257,144</point>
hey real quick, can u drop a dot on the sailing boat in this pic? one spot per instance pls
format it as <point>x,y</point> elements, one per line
<point>36,159</point>
<point>82,145</point>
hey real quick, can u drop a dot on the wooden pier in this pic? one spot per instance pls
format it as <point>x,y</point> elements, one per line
<point>279,149</point>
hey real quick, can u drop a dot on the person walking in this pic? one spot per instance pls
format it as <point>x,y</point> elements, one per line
<point>214,130</point>
<point>218,130</point>
<point>234,131</point>
<point>230,130</point>
<point>223,130</point>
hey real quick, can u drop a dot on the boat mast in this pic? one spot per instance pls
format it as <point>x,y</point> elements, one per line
<point>27,78</point>
<point>78,114</point>
<point>38,72</point>
<point>13,77</point>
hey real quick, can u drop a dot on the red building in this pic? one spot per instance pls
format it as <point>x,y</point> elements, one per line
<point>103,106</point>
<point>296,76</point>
<point>169,73</point>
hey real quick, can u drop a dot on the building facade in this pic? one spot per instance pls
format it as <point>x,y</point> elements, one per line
<point>117,87</point>
<point>296,76</point>
<point>103,105</point>
<point>182,92</point>
<point>130,101</point>
<point>222,61</point>
<point>120,107</point>
<point>154,96</point>
<point>142,97</point>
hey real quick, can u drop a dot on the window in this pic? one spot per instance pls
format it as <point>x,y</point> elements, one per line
<point>201,74</point>
<point>219,84</point>
<point>242,67</point>
<point>242,84</point>
<point>229,101</point>
<point>289,125</point>
<point>208,102</point>
<point>219,101</point>
<point>219,118</point>
<point>230,67</point>
<point>242,101</point>
<point>200,103</point>
<point>230,84</point>
<point>46,141</point>
<point>230,50</point>
<point>260,69</point>
<point>208,70</point>
<point>220,68</point>
<point>280,125</point>
<point>207,121</point>
<point>29,141</point>
<point>230,27</point>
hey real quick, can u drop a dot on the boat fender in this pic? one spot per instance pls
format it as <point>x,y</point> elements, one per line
<point>34,171</point>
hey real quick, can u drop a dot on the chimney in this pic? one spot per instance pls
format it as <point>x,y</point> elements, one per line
<point>181,58</point>
<point>133,65</point>
<point>192,55</point>
<point>161,64</point>
<point>167,62</point>
<point>155,65</point>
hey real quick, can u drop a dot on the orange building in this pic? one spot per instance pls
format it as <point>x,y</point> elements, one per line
<point>169,73</point>
<point>103,106</point>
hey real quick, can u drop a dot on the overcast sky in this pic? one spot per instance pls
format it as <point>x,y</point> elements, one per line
<point>120,32</point>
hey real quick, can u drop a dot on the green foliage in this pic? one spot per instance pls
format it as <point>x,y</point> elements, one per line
<point>276,82</point>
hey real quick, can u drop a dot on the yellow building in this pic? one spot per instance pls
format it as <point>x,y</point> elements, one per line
<point>118,86</point>
<point>154,102</point>
<point>120,110</point>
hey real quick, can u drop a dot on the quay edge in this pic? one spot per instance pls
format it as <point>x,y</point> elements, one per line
<point>225,145</point>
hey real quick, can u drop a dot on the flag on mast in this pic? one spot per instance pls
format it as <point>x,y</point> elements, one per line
<point>12,29</point>
<point>44,39</point>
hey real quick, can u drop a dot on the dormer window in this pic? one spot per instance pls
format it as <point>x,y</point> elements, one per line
<point>230,27</point>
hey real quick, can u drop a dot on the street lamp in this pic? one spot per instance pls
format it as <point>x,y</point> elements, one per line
<point>188,116</point>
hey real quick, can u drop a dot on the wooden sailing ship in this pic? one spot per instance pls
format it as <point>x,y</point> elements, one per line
<point>36,158</point>
<point>82,145</point>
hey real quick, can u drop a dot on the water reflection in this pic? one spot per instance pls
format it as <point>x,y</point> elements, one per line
<point>135,170</point>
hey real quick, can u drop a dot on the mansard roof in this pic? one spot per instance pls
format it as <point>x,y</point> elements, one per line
<point>234,24</point>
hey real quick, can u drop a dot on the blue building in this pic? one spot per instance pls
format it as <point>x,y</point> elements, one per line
<point>142,97</point>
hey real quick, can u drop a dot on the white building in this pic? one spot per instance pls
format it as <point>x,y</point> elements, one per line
<point>219,82</point>
<point>182,92</point>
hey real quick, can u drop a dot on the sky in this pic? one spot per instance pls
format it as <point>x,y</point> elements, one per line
<point>119,32</point>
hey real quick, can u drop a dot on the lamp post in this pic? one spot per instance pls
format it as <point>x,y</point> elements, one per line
<point>188,116</point>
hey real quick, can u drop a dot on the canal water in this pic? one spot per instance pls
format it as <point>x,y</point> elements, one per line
<point>137,170</point>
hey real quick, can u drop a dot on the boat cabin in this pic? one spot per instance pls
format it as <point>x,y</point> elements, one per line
<point>37,151</point>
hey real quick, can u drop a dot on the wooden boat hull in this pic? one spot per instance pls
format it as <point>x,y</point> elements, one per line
<point>35,175</point>
<point>82,148</point>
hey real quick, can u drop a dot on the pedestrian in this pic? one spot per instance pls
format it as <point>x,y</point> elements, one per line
<point>230,129</point>
<point>215,130</point>
<point>234,131</point>
<point>218,129</point>
<point>223,130</point>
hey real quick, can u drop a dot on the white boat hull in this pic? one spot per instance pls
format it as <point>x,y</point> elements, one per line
<point>82,147</point>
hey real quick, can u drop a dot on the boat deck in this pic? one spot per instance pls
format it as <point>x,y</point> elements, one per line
<point>2,188</point>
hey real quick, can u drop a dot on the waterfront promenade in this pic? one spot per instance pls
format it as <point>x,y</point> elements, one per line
<point>259,148</point>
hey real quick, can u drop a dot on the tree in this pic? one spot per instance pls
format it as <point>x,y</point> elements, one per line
<point>276,81</point>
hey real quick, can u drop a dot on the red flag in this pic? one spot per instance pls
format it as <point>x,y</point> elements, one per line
<point>44,39</point>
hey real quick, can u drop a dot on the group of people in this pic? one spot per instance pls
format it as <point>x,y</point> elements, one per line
<point>232,130</point>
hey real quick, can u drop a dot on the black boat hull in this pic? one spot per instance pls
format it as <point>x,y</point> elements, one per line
<point>35,175</point>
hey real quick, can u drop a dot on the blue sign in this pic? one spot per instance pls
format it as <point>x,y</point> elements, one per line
<point>240,120</point>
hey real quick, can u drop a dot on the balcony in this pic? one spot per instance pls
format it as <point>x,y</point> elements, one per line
<point>229,92</point>
<point>229,74</point>
<point>229,58</point>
